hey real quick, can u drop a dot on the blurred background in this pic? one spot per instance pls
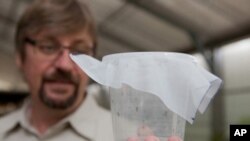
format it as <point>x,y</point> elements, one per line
<point>215,31</point>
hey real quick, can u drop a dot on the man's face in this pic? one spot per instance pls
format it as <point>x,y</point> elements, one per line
<point>53,78</point>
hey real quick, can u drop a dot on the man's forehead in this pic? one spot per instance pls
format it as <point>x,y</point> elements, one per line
<point>76,36</point>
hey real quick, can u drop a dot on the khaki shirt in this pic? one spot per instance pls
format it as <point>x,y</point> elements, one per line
<point>89,123</point>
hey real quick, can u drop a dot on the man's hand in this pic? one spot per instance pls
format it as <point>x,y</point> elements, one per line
<point>154,138</point>
<point>174,138</point>
<point>144,133</point>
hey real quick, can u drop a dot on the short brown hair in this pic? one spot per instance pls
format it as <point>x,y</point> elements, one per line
<point>59,16</point>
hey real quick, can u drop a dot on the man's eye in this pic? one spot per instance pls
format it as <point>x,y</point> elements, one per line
<point>80,51</point>
<point>49,49</point>
<point>76,52</point>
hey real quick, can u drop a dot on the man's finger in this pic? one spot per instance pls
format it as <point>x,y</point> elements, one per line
<point>151,138</point>
<point>148,138</point>
<point>154,138</point>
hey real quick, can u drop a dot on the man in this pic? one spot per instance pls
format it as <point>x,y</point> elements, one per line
<point>59,107</point>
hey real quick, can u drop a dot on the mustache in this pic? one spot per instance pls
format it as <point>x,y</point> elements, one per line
<point>61,76</point>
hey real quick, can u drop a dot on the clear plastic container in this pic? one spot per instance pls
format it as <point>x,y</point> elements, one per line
<point>140,114</point>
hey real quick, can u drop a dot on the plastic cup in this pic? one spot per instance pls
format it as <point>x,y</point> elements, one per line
<point>138,114</point>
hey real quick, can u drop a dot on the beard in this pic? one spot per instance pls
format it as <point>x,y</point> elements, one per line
<point>61,76</point>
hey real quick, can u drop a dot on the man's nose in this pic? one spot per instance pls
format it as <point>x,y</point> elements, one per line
<point>63,61</point>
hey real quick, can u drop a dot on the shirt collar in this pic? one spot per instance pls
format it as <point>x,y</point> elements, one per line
<point>84,120</point>
<point>13,119</point>
<point>9,124</point>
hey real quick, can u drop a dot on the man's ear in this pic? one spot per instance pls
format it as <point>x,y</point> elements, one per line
<point>18,60</point>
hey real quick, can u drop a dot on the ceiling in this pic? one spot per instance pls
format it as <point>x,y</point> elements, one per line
<point>144,25</point>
